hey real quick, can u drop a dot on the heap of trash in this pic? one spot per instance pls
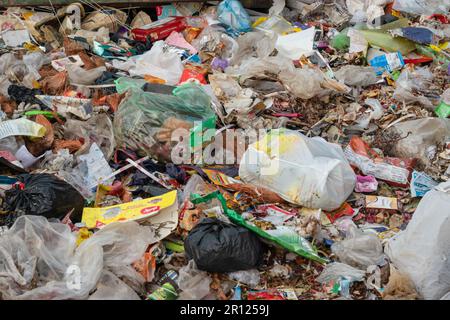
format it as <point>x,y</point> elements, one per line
<point>221,151</point>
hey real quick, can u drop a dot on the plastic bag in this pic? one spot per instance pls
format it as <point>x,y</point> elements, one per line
<point>158,62</point>
<point>217,246</point>
<point>374,114</point>
<point>123,84</point>
<point>420,138</point>
<point>46,195</point>
<point>250,277</point>
<point>356,75</point>
<point>98,129</point>
<point>413,81</point>
<point>306,171</point>
<point>145,121</point>
<point>193,282</point>
<point>284,236</point>
<point>359,249</point>
<point>78,75</point>
<point>336,270</point>
<point>422,7</point>
<point>39,262</point>
<point>387,42</point>
<point>313,83</point>
<point>399,287</point>
<point>233,14</point>
<point>252,44</point>
<point>110,287</point>
<point>422,251</point>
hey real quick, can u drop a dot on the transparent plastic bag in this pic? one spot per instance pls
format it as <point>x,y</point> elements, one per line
<point>78,75</point>
<point>40,259</point>
<point>420,138</point>
<point>36,248</point>
<point>413,81</point>
<point>193,282</point>
<point>356,76</point>
<point>110,287</point>
<point>146,122</point>
<point>310,172</point>
<point>159,63</point>
<point>422,250</point>
<point>233,14</point>
<point>336,270</point>
<point>359,249</point>
<point>422,7</point>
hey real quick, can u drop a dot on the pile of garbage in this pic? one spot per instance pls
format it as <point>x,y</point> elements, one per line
<point>212,151</point>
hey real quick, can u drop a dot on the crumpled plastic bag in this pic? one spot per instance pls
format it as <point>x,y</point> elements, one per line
<point>422,7</point>
<point>336,270</point>
<point>193,282</point>
<point>359,249</point>
<point>356,76</point>
<point>78,75</point>
<point>250,277</point>
<point>217,246</point>
<point>98,129</point>
<point>419,138</point>
<point>310,172</point>
<point>422,250</point>
<point>41,260</point>
<point>233,14</point>
<point>157,62</point>
<point>413,81</point>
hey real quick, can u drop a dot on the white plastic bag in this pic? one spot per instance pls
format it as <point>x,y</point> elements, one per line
<point>306,171</point>
<point>193,282</point>
<point>422,251</point>
<point>158,63</point>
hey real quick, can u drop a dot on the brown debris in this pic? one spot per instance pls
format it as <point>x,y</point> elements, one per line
<point>56,84</point>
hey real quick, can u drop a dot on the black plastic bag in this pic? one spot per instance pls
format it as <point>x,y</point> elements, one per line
<point>217,246</point>
<point>44,195</point>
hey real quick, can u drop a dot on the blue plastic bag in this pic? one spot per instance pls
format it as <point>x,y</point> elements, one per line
<point>233,14</point>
